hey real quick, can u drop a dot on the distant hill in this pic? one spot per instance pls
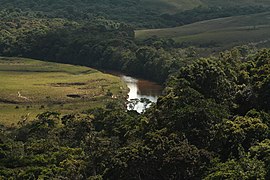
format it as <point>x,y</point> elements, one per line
<point>138,13</point>
<point>218,32</point>
<point>236,2</point>
<point>173,6</point>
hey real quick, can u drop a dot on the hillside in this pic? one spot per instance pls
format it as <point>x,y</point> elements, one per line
<point>138,14</point>
<point>218,32</point>
<point>29,87</point>
<point>236,3</point>
<point>173,6</point>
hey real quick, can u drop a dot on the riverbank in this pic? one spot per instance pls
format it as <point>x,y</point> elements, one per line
<point>141,93</point>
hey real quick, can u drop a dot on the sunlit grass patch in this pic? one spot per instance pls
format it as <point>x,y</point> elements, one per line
<point>29,87</point>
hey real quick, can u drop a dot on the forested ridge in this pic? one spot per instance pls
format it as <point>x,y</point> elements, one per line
<point>134,12</point>
<point>212,121</point>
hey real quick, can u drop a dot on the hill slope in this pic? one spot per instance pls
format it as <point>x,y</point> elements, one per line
<point>236,3</point>
<point>173,6</point>
<point>29,87</point>
<point>217,32</point>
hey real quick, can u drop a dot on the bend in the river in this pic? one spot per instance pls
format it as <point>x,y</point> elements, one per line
<point>140,89</point>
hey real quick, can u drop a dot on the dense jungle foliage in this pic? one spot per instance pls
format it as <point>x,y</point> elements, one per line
<point>212,121</point>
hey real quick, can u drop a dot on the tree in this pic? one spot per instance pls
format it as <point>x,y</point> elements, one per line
<point>245,168</point>
<point>187,111</point>
<point>261,151</point>
<point>238,134</point>
<point>209,78</point>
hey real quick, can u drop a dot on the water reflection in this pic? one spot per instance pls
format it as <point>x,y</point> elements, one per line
<point>141,89</point>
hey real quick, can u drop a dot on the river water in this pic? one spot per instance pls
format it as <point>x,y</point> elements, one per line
<point>138,89</point>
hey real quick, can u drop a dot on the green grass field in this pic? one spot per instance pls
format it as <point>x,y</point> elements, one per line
<point>223,32</point>
<point>29,87</point>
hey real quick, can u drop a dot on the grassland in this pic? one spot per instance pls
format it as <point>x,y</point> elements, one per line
<point>29,87</point>
<point>223,32</point>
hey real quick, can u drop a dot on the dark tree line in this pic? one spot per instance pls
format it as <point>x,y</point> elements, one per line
<point>132,12</point>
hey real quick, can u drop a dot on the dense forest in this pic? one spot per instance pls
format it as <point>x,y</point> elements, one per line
<point>212,121</point>
<point>133,12</point>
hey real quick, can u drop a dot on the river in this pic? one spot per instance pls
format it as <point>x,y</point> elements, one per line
<point>138,89</point>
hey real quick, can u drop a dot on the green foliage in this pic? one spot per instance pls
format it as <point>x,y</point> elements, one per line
<point>245,168</point>
<point>210,78</point>
<point>262,152</point>
<point>238,133</point>
<point>186,111</point>
<point>131,11</point>
<point>160,156</point>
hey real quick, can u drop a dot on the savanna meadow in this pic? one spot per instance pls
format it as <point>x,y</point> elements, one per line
<point>73,74</point>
